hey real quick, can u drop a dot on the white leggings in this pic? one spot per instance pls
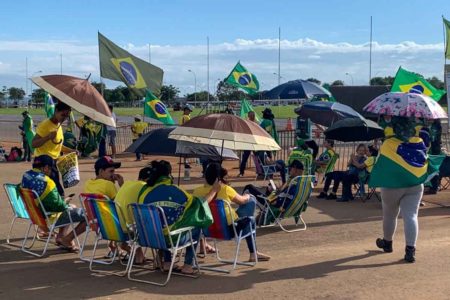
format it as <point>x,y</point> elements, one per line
<point>406,200</point>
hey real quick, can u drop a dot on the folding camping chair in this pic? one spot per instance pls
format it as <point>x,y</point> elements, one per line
<point>19,211</point>
<point>151,226</point>
<point>91,224</point>
<point>263,169</point>
<point>220,230</point>
<point>272,216</point>
<point>105,212</point>
<point>41,218</point>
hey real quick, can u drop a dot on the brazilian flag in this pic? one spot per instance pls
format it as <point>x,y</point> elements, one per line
<point>155,109</point>
<point>241,78</point>
<point>49,105</point>
<point>447,37</point>
<point>409,82</point>
<point>400,164</point>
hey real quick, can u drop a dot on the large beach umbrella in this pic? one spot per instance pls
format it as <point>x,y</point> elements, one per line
<point>79,94</point>
<point>297,89</point>
<point>225,131</point>
<point>353,130</point>
<point>406,105</point>
<point>326,113</point>
<point>157,142</point>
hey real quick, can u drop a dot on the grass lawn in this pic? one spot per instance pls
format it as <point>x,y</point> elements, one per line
<point>281,112</point>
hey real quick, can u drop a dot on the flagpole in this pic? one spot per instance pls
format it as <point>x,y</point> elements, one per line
<point>279,55</point>
<point>207,68</point>
<point>61,61</point>
<point>446,74</point>
<point>370,52</point>
<point>149,53</point>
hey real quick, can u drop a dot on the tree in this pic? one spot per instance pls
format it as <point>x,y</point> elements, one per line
<point>116,95</point>
<point>169,93</point>
<point>2,96</point>
<point>314,80</point>
<point>227,92</point>
<point>436,82</point>
<point>16,93</point>
<point>38,95</point>
<point>389,80</point>
<point>98,86</point>
<point>337,82</point>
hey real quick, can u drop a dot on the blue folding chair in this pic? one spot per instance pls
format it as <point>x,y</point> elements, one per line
<point>153,231</point>
<point>19,211</point>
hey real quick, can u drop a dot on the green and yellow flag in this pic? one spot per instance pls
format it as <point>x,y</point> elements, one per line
<point>155,109</point>
<point>447,37</point>
<point>118,64</point>
<point>409,82</point>
<point>49,105</point>
<point>241,78</point>
<point>246,107</point>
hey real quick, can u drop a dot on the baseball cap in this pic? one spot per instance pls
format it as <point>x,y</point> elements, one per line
<point>188,106</point>
<point>106,162</point>
<point>42,161</point>
<point>138,117</point>
<point>296,164</point>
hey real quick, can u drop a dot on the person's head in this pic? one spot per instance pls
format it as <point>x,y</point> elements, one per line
<point>361,149</point>
<point>111,108</point>
<point>187,109</point>
<point>43,163</point>
<point>404,128</point>
<point>328,143</point>
<point>387,118</point>
<point>62,110</point>
<point>159,169</point>
<point>223,175</point>
<point>267,114</point>
<point>251,115</point>
<point>301,144</point>
<point>295,168</point>
<point>137,118</point>
<point>105,168</point>
<point>144,174</point>
<point>212,173</point>
<point>24,114</point>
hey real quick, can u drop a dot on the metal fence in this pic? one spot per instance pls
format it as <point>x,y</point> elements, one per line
<point>9,132</point>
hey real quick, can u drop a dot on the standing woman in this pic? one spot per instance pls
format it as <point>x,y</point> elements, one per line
<point>400,171</point>
<point>49,139</point>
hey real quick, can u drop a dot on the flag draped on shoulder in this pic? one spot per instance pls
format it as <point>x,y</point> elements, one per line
<point>447,37</point>
<point>118,64</point>
<point>155,109</point>
<point>246,107</point>
<point>241,78</point>
<point>49,105</point>
<point>410,82</point>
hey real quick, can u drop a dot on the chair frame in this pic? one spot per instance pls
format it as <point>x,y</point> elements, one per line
<point>268,170</point>
<point>174,248</point>
<point>100,237</point>
<point>237,237</point>
<point>17,215</point>
<point>281,215</point>
<point>43,215</point>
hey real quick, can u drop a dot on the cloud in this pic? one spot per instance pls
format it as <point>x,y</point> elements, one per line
<point>302,58</point>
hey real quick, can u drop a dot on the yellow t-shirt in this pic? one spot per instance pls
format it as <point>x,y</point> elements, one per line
<point>138,128</point>
<point>52,147</point>
<point>184,119</point>
<point>226,193</point>
<point>128,193</point>
<point>102,187</point>
<point>369,162</point>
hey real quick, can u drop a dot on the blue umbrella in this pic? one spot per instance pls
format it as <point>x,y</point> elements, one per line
<point>298,89</point>
<point>326,113</point>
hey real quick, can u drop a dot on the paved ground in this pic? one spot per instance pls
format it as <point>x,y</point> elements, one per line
<point>334,259</point>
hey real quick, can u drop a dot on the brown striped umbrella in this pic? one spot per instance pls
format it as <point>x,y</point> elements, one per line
<point>226,131</point>
<point>79,94</point>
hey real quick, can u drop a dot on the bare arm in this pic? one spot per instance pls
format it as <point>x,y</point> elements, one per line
<point>213,192</point>
<point>38,140</point>
<point>241,199</point>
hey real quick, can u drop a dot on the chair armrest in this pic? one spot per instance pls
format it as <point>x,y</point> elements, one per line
<point>181,230</point>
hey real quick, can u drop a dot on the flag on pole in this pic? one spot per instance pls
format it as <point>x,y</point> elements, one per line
<point>155,109</point>
<point>409,82</point>
<point>118,64</point>
<point>241,78</point>
<point>49,105</point>
<point>246,107</point>
<point>447,37</point>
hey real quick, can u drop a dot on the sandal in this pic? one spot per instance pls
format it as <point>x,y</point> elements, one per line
<point>182,270</point>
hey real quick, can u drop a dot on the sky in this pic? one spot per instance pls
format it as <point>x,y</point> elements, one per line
<point>327,40</point>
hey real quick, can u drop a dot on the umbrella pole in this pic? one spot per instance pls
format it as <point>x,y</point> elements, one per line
<point>221,152</point>
<point>179,171</point>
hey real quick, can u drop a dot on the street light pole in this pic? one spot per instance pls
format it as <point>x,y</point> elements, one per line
<point>279,77</point>
<point>195,84</point>
<point>351,77</point>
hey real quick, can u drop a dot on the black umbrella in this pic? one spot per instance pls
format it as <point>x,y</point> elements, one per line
<point>353,130</point>
<point>325,113</point>
<point>298,89</point>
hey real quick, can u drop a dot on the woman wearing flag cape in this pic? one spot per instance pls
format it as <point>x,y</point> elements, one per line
<point>400,171</point>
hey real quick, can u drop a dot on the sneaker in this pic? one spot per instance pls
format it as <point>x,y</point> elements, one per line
<point>332,196</point>
<point>241,175</point>
<point>322,195</point>
<point>410,252</point>
<point>385,245</point>
<point>422,203</point>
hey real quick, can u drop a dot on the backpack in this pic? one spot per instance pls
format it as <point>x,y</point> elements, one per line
<point>15,154</point>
